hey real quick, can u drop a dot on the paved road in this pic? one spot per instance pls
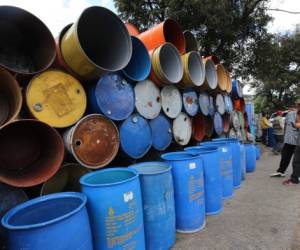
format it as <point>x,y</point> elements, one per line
<point>263,214</point>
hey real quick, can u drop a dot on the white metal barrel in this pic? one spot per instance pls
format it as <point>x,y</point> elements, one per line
<point>171,101</point>
<point>182,129</point>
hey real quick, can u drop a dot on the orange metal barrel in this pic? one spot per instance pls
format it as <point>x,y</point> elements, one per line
<point>132,29</point>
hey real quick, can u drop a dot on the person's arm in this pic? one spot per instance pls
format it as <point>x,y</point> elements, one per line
<point>297,123</point>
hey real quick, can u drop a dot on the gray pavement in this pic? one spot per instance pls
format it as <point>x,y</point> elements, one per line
<point>263,214</point>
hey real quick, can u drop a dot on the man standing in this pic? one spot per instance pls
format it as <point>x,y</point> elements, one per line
<point>278,131</point>
<point>264,123</point>
<point>294,179</point>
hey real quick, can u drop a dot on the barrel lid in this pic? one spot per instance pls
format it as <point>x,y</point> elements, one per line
<point>199,127</point>
<point>190,102</point>
<point>114,96</point>
<point>161,132</point>
<point>182,129</point>
<point>228,104</point>
<point>56,98</point>
<point>235,121</point>
<point>211,74</point>
<point>220,104</point>
<point>135,136</point>
<point>218,123</point>
<point>204,103</point>
<point>147,99</point>
<point>95,141</point>
<point>171,101</point>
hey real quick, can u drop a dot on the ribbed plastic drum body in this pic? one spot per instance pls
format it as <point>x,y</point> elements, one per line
<point>199,130</point>
<point>158,204</point>
<point>147,99</point>
<point>112,96</point>
<point>171,101</point>
<point>204,103</point>
<point>236,159</point>
<point>135,136</point>
<point>161,130</point>
<point>218,124</point>
<point>56,221</point>
<point>182,129</point>
<point>220,104</point>
<point>187,171</point>
<point>258,152</point>
<point>212,177</point>
<point>56,98</point>
<point>27,45</point>
<point>114,204</point>
<point>243,161</point>
<point>139,66</point>
<point>250,157</point>
<point>237,91</point>
<point>226,166</point>
<point>190,102</point>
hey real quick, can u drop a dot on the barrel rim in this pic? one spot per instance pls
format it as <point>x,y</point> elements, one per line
<point>165,156</point>
<point>41,199</point>
<point>202,150</point>
<point>152,163</point>
<point>84,183</point>
<point>229,140</point>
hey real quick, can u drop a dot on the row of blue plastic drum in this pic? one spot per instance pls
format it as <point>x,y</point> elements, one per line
<point>137,207</point>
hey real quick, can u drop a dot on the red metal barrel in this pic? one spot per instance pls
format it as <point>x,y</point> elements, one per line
<point>199,129</point>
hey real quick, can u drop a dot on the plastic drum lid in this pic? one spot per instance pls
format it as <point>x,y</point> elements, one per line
<point>235,120</point>
<point>204,103</point>
<point>218,123</point>
<point>220,105</point>
<point>171,101</point>
<point>161,132</point>
<point>114,97</point>
<point>95,141</point>
<point>147,99</point>
<point>190,102</point>
<point>56,98</point>
<point>182,129</point>
<point>135,136</point>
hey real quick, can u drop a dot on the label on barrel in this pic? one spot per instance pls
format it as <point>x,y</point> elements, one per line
<point>192,165</point>
<point>128,196</point>
<point>196,192</point>
<point>224,150</point>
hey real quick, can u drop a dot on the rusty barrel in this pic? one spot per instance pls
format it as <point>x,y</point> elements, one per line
<point>182,129</point>
<point>147,99</point>
<point>209,126</point>
<point>56,98</point>
<point>166,65</point>
<point>171,101</point>
<point>190,41</point>
<point>30,153</point>
<point>98,42</point>
<point>239,104</point>
<point>190,102</point>
<point>132,29</point>
<point>193,70</point>
<point>211,77</point>
<point>199,130</point>
<point>27,45</point>
<point>222,78</point>
<point>10,97</point>
<point>93,141</point>
<point>167,31</point>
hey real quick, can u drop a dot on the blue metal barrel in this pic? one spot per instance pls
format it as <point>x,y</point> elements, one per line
<point>243,161</point>
<point>158,204</point>
<point>204,103</point>
<point>57,221</point>
<point>228,104</point>
<point>187,171</point>
<point>190,102</point>
<point>212,108</point>
<point>135,136</point>
<point>237,91</point>
<point>139,66</point>
<point>236,159</point>
<point>161,129</point>
<point>258,152</point>
<point>250,157</point>
<point>218,123</point>
<point>115,208</point>
<point>226,166</point>
<point>112,96</point>
<point>212,177</point>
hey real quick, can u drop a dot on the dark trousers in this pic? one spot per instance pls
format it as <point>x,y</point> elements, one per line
<point>279,143</point>
<point>286,156</point>
<point>296,166</point>
<point>264,137</point>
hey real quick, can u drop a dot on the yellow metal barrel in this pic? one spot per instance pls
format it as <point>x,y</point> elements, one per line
<point>56,98</point>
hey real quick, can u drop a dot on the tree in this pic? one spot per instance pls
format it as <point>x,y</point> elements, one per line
<point>228,29</point>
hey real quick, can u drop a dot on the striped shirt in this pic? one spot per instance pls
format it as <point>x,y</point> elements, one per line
<point>291,133</point>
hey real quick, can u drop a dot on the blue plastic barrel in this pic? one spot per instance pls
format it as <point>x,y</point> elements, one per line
<point>243,161</point>
<point>57,221</point>
<point>204,103</point>
<point>139,66</point>
<point>158,204</point>
<point>236,91</point>
<point>226,166</point>
<point>250,157</point>
<point>161,129</point>
<point>190,102</point>
<point>135,136</point>
<point>236,159</point>
<point>218,124</point>
<point>212,177</point>
<point>249,108</point>
<point>187,171</point>
<point>115,208</point>
<point>258,152</point>
<point>112,96</point>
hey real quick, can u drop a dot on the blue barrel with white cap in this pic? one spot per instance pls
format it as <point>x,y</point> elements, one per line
<point>112,96</point>
<point>250,157</point>
<point>190,102</point>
